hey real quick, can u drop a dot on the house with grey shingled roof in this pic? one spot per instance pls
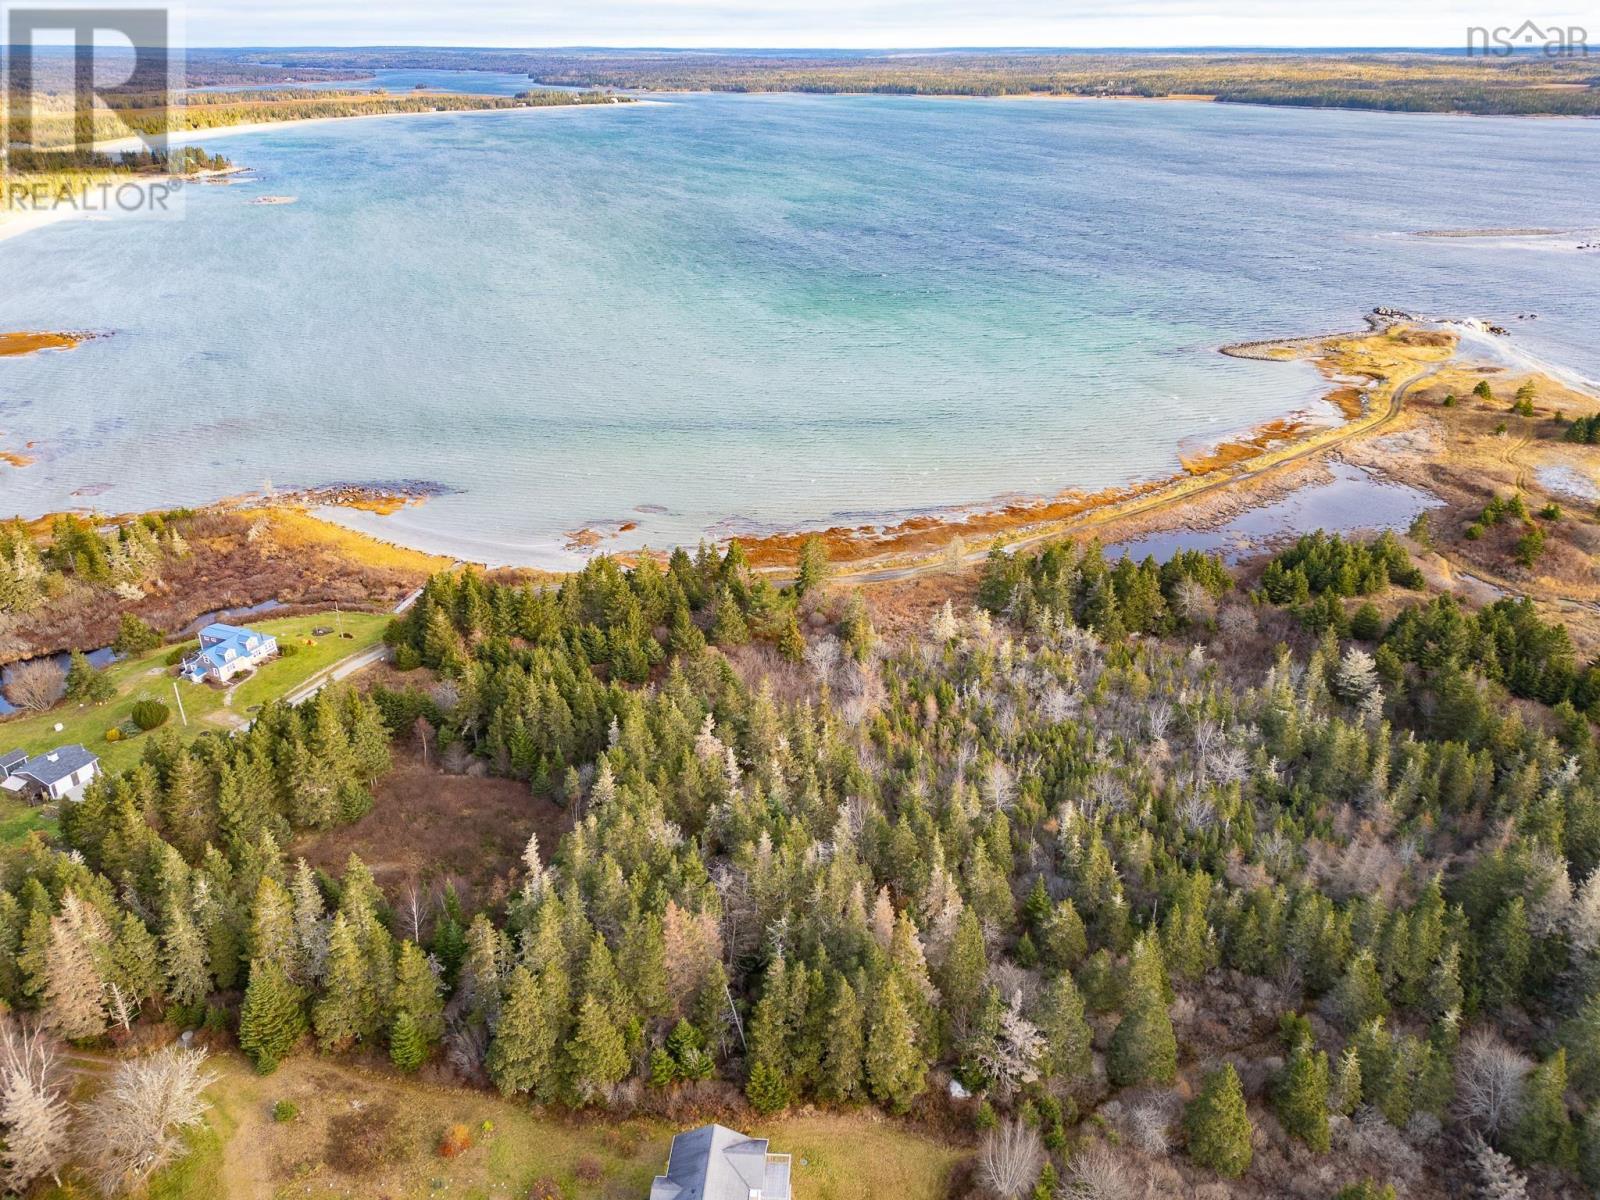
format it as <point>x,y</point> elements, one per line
<point>56,774</point>
<point>718,1163</point>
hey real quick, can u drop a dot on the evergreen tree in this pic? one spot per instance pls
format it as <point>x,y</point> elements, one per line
<point>1345,1091</point>
<point>895,1066</point>
<point>520,1055</point>
<point>416,993</point>
<point>407,1048</point>
<point>812,570</point>
<point>1143,1047</point>
<point>1070,1049</point>
<point>791,642</point>
<point>136,961</point>
<point>1359,996</point>
<point>597,1057</point>
<point>346,1010</point>
<point>728,627</point>
<point>273,1018</point>
<point>841,1078</point>
<point>966,968</point>
<point>188,969</point>
<point>1542,1131</point>
<point>1301,1095</point>
<point>1507,949</point>
<point>1217,1126</point>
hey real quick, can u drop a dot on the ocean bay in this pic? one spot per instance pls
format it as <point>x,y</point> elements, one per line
<point>724,313</point>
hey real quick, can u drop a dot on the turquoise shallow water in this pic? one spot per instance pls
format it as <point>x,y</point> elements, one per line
<point>733,313</point>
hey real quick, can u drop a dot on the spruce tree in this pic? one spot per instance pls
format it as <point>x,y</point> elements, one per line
<point>136,960</point>
<point>520,1055</point>
<point>1217,1126</point>
<point>1344,1093</point>
<point>1143,1047</point>
<point>407,1048</point>
<point>597,1057</point>
<point>271,934</point>
<point>188,970</point>
<point>896,1069</point>
<point>1301,1096</point>
<point>1359,997</point>
<point>966,967</point>
<point>1542,1132</point>
<point>728,626</point>
<point>1068,1041</point>
<point>791,642</point>
<point>1507,949</point>
<point>841,1081</point>
<point>273,1018</point>
<point>416,993</point>
<point>345,1010</point>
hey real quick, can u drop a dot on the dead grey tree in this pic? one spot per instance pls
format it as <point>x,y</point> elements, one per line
<point>34,1118</point>
<point>135,1125</point>
<point>1010,1159</point>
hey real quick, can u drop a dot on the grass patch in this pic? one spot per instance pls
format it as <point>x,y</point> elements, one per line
<point>835,1156</point>
<point>148,675</point>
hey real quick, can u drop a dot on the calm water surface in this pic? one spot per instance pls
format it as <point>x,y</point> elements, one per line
<point>726,314</point>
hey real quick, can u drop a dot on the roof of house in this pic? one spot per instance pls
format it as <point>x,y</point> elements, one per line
<point>225,633</point>
<point>50,769</point>
<point>718,1163</point>
<point>12,759</point>
<point>223,639</point>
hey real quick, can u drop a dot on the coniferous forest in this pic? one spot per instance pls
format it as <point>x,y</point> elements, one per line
<point>1144,864</point>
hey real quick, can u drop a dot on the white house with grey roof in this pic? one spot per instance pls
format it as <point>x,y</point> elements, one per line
<point>58,774</point>
<point>718,1163</point>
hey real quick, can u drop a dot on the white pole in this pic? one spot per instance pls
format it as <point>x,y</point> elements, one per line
<point>178,696</point>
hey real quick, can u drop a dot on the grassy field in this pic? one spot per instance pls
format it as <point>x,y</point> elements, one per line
<point>205,707</point>
<point>364,1133</point>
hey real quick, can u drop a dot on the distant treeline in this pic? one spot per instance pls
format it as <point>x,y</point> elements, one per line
<point>215,110</point>
<point>1410,83</point>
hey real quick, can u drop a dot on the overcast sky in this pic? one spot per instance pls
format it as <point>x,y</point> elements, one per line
<point>860,23</point>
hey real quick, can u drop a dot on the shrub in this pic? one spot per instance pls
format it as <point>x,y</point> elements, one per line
<point>1551,511</point>
<point>287,649</point>
<point>284,1111</point>
<point>150,714</point>
<point>113,734</point>
<point>178,653</point>
<point>457,1140</point>
<point>589,1170</point>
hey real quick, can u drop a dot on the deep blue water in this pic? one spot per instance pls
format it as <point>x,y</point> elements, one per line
<point>759,311</point>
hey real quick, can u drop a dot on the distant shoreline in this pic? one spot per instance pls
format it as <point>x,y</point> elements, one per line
<point>15,224</point>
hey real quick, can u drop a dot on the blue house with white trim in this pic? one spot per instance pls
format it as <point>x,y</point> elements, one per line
<point>226,650</point>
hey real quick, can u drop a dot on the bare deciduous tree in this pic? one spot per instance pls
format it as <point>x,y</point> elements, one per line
<point>34,1117</point>
<point>36,686</point>
<point>1490,1076</point>
<point>1098,1174</point>
<point>134,1127</point>
<point>1010,1159</point>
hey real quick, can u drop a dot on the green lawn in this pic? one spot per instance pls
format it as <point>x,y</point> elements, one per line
<point>205,707</point>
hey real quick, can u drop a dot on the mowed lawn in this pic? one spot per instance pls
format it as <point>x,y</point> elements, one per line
<point>207,708</point>
<point>361,1132</point>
